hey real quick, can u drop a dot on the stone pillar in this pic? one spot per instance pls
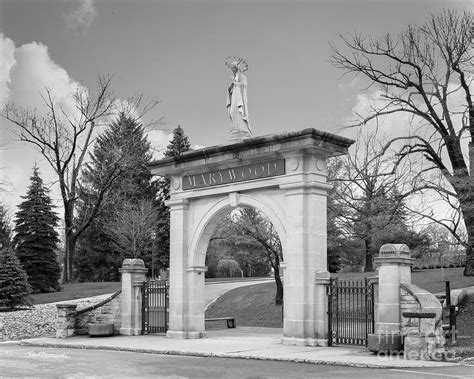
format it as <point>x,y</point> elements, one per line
<point>322,281</point>
<point>394,267</point>
<point>133,276</point>
<point>65,326</point>
<point>305,299</point>
<point>195,321</point>
<point>179,310</point>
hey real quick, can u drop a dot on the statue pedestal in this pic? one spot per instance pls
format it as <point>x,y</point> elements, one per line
<point>238,135</point>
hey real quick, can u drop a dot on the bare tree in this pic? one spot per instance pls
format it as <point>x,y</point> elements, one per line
<point>420,73</point>
<point>251,223</point>
<point>63,136</point>
<point>370,194</point>
<point>132,228</point>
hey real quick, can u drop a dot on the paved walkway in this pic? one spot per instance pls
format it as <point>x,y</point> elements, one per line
<point>242,342</point>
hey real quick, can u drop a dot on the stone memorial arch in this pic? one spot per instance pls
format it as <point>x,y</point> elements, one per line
<point>283,176</point>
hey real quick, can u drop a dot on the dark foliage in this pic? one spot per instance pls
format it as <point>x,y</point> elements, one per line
<point>5,229</point>
<point>14,286</point>
<point>161,249</point>
<point>122,148</point>
<point>36,239</point>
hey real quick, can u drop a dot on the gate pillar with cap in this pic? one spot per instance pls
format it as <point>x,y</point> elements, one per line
<point>284,177</point>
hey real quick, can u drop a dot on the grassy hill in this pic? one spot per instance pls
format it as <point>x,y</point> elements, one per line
<point>255,305</point>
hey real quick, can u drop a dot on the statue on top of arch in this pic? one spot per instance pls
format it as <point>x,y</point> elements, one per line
<point>237,100</point>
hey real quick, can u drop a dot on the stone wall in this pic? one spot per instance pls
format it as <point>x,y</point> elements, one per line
<point>416,299</point>
<point>423,337</point>
<point>408,303</point>
<point>73,322</point>
<point>108,313</point>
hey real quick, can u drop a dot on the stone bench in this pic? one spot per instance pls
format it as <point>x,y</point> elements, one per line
<point>230,320</point>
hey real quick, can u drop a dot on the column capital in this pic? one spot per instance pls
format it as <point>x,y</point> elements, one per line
<point>393,261</point>
<point>322,278</point>
<point>300,187</point>
<point>134,266</point>
<point>178,204</point>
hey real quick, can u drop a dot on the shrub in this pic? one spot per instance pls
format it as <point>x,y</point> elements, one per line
<point>228,268</point>
<point>14,286</point>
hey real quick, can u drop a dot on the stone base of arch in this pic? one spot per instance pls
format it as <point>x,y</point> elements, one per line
<point>284,176</point>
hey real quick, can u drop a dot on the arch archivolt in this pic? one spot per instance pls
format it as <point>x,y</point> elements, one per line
<point>207,213</point>
<point>284,177</point>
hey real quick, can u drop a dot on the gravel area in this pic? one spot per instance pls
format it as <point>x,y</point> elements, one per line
<point>39,321</point>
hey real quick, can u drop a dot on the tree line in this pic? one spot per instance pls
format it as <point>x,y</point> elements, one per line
<point>101,166</point>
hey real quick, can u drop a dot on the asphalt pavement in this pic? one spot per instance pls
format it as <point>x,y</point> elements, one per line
<point>40,362</point>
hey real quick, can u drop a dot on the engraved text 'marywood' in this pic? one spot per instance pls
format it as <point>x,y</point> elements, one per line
<point>235,174</point>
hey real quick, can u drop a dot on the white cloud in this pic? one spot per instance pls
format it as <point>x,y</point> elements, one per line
<point>7,60</point>
<point>25,71</point>
<point>33,71</point>
<point>159,140</point>
<point>81,15</point>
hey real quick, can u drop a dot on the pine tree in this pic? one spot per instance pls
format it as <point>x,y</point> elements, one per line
<point>14,286</point>
<point>179,144</point>
<point>122,147</point>
<point>36,239</point>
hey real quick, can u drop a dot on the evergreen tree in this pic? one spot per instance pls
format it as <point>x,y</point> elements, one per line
<point>14,286</point>
<point>36,239</point>
<point>124,148</point>
<point>179,144</point>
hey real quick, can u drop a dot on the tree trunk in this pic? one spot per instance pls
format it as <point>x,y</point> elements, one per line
<point>68,258</point>
<point>279,286</point>
<point>368,256</point>
<point>70,242</point>
<point>469,221</point>
<point>469,217</point>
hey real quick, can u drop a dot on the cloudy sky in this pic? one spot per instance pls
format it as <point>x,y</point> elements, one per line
<point>174,51</point>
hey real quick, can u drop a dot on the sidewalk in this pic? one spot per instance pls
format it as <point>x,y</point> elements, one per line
<point>242,342</point>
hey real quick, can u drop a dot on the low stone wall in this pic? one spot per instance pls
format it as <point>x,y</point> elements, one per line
<point>416,299</point>
<point>108,313</point>
<point>423,337</point>
<point>75,322</point>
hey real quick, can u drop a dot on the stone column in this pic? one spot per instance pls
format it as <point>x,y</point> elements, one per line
<point>195,321</point>
<point>394,267</point>
<point>179,312</point>
<point>133,276</point>
<point>65,326</point>
<point>305,298</point>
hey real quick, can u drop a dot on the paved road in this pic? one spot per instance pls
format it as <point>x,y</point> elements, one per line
<point>24,361</point>
<point>214,290</point>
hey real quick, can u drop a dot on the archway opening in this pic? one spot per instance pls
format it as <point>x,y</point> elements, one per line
<point>245,252</point>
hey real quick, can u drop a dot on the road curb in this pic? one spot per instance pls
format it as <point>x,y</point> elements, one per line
<point>238,356</point>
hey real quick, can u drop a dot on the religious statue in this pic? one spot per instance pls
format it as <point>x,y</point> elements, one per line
<point>237,100</point>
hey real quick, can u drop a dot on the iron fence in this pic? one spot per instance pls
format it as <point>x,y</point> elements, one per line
<point>155,304</point>
<point>350,311</point>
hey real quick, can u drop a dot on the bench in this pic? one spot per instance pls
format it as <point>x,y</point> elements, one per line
<point>230,320</point>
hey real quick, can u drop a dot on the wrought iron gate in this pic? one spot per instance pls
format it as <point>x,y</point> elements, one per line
<point>155,302</point>
<point>350,311</point>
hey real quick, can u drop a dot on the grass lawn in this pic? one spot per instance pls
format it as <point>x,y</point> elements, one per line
<point>255,306</point>
<point>250,305</point>
<point>76,291</point>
